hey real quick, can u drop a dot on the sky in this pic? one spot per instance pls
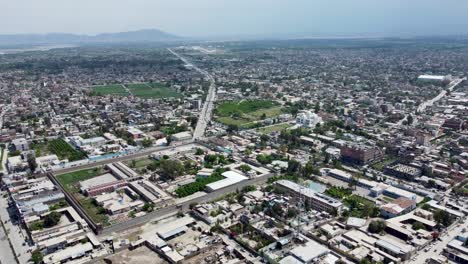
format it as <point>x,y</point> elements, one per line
<point>211,18</point>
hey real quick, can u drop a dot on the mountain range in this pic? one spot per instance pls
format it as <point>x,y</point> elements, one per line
<point>146,35</point>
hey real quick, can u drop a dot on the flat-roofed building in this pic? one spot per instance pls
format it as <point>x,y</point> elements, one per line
<point>231,177</point>
<point>317,201</point>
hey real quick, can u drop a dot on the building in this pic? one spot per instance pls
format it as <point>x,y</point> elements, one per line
<point>317,201</point>
<point>397,207</point>
<point>181,136</point>
<point>101,184</point>
<point>423,138</point>
<point>360,154</point>
<point>403,171</point>
<point>434,78</point>
<point>308,119</point>
<point>135,133</point>
<point>20,144</point>
<point>396,193</point>
<point>231,177</point>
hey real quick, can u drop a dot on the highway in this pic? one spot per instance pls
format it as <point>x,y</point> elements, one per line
<point>207,110</point>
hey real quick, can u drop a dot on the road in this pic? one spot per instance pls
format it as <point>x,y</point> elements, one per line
<point>207,110</point>
<point>16,234</point>
<point>184,206</point>
<point>439,246</point>
<point>452,85</point>
<point>422,107</point>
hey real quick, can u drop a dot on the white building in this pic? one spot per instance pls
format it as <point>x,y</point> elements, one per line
<point>308,119</point>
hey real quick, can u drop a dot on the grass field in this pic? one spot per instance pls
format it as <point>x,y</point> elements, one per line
<point>70,180</point>
<point>41,149</point>
<point>241,113</point>
<point>152,90</point>
<point>113,89</point>
<point>273,128</point>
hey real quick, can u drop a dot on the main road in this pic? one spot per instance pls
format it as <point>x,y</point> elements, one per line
<point>422,107</point>
<point>207,110</point>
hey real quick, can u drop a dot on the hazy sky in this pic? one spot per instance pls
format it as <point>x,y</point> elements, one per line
<point>237,17</point>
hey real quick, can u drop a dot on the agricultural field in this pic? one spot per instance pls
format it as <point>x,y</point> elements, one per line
<point>63,150</point>
<point>113,89</point>
<point>246,112</point>
<point>152,90</point>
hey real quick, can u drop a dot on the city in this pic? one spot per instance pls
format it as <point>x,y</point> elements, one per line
<point>330,151</point>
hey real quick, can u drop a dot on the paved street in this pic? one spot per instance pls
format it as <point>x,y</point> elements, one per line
<point>207,110</point>
<point>422,107</point>
<point>439,246</point>
<point>16,234</point>
<point>6,255</point>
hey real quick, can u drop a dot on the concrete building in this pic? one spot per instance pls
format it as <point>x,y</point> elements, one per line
<point>403,171</point>
<point>360,154</point>
<point>317,201</point>
<point>308,119</point>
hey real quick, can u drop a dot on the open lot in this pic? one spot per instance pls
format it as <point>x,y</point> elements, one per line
<point>152,90</point>
<point>243,113</point>
<point>273,128</point>
<point>113,89</point>
<point>140,255</point>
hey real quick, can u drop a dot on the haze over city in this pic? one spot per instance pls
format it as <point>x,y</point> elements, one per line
<point>261,18</point>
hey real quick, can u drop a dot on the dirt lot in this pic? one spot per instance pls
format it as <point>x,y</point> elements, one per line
<point>141,255</point>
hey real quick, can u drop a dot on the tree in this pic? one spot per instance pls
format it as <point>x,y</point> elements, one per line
<point>409,119</point>
<point>147,142</point>
<point>417,226</point>
<point>245,168</point>
<point>199,152</point>
<point>293,166</point>
<point>442,217</point>
<point>32,163</point>
<point>376,226</point>
<point>37,256</point>
<point>170,169</point>
<point>52,219</point>
<point>148,207</point>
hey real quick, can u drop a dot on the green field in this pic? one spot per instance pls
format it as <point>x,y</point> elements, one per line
<point>242,113</point>
<point>70,180</point>
<point>113,89</point>
<point>63,150</point>
<point>152,90</point>
<point>273,128</point>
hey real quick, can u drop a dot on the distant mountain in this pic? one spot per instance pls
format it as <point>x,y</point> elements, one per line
<point>147,35</point>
